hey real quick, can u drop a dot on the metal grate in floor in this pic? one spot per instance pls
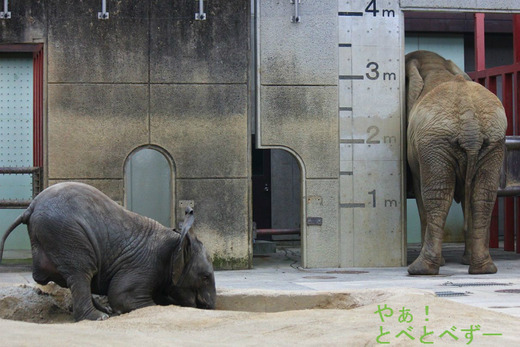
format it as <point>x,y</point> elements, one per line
<point>476,284</point>
<point>509,291</point>
<point>450,293</point>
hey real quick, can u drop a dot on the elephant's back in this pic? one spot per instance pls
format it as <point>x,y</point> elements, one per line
<point>86,212</point>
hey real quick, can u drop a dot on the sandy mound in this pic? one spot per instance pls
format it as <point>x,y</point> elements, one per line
<point>39,304</point>
<point>295,318</point>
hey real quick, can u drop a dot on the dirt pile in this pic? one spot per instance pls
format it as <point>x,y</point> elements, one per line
<point>38,304</point>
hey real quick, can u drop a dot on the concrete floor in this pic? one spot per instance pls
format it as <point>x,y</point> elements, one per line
<point>281,271</point>
<point>498,292</point>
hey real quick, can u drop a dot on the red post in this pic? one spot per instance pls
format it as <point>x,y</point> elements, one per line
<point>516,37</point>
<point>509,203</point>
<point>493,228</point>
<point>480,42</point>
<point>516,96</point>
<point>38,108</point>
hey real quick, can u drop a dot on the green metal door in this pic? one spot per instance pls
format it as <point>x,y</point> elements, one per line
<point>148,185</point>
<point>16,138</point>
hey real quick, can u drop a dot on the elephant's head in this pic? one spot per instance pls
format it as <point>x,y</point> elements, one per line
<point>192,271</point>
<point>424,71</point>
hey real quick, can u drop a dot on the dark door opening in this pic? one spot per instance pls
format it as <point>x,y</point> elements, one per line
<point>276,181</point>
<point>261,176</point>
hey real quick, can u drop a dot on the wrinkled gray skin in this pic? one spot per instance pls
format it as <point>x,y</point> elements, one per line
<point>84,241</point>
<point>456,135</point>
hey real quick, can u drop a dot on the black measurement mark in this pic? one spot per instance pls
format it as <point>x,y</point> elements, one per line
<point>352,205</point>
<point>345,108</point>
<point>346,173</point>
<point>372,75</point>
<point>376,132</point>
<point>374,72</point>
<point>373,193</point>
<point>351,77</point>
<point>388,202</point>
<point>350,14</point>
<point>373,131</point>
<point>372,8</point>
<point>345,45</point>
<point>351,141</point>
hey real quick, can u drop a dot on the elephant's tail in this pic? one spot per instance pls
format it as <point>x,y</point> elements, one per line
<point>471,141</point>
<point>23,218</point>
<point>470,173</point>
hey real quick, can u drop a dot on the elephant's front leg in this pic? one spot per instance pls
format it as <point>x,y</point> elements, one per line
<point>437,189</point>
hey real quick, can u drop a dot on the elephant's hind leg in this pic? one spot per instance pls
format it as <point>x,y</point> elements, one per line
<point>482,203</point>
<point>437,189</point>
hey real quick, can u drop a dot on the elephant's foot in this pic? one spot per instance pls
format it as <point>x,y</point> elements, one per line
<point>91,315</point>
<point>466,259</point>
<point>443,261</point>
<point>487,267</point>
<point>421,266</point>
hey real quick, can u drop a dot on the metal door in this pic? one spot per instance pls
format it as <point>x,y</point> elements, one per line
<point>16,138</point>
<point>148,185</point>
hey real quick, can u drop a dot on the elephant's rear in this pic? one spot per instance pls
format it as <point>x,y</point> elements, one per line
<point>65,229</point>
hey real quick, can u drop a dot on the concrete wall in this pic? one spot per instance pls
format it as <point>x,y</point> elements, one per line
<point>149,75</point>
<point>298,112</point>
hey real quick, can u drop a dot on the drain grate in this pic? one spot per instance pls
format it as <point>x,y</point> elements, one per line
<point>347,272</point>
<point>476,284</point>
<point>320,277</point>
<point>450,293</point>
<point>510,291</point>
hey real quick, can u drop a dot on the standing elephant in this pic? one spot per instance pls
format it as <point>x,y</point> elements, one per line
<point>456,136</point>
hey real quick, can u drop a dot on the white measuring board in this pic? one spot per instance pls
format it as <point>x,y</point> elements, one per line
<point>371,150</point>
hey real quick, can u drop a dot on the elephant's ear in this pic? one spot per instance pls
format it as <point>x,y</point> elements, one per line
<point>454,69</point>
<point>188,222</point>
<point>183,251</point>
<point>415,84</point>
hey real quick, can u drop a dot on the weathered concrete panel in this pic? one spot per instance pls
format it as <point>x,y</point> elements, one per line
<point>92,128</point>
<point>83,48</point>
<point>304,119</point>
<point>298,53</point>
<point>322,242</point>
<point>184,50</point>
<point>204,127</point>
<point>221,218</point>
<point>17,29</point>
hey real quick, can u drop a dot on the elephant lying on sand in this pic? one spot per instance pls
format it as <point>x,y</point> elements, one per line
<point>456,135</point>
<point>84,241</point>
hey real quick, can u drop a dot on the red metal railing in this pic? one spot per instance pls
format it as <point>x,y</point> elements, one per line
<point>38,107</point>
<point>509,77</point>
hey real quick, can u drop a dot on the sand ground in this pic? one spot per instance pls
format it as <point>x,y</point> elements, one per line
<point>36,316</point>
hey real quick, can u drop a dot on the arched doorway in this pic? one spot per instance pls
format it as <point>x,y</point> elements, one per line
<point>149,188</point>
<point>277,196</point>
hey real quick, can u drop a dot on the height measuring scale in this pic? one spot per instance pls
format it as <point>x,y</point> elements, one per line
<point>371,88</point>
